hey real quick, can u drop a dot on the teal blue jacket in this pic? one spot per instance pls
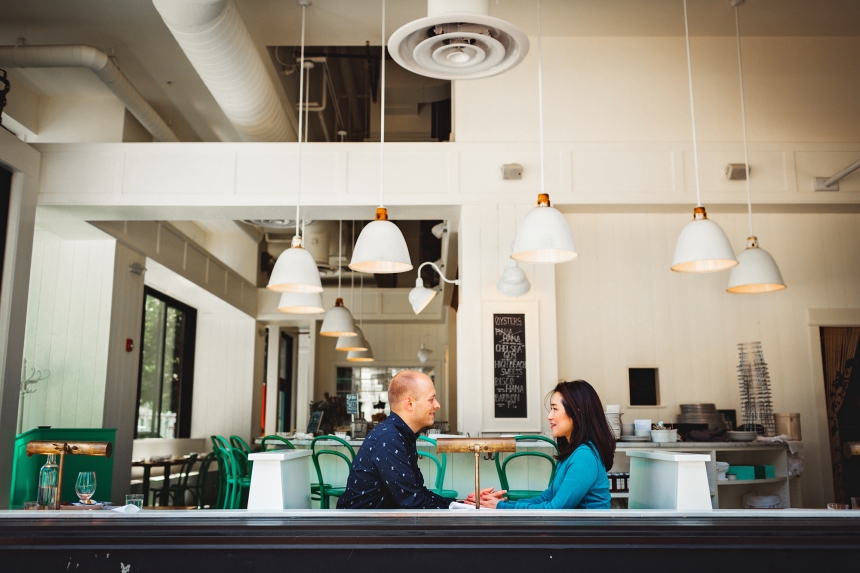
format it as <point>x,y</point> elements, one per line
<point>580,482</point>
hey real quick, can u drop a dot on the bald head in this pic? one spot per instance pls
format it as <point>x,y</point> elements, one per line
<point>413,397</point>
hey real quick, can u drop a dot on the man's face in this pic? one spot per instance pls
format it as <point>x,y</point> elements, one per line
<point>424,405</point>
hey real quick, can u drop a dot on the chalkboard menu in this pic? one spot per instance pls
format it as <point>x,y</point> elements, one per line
<point>509,365</point>
<point>352,403</point>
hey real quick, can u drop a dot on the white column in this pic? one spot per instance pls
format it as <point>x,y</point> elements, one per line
<point>305,377</point>
<point>272,379</point>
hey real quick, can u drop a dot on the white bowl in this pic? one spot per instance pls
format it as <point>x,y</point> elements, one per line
<point>646,433</point>
<point>664,436</point>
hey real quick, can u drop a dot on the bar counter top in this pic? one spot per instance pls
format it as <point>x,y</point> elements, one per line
<point>431,540</point>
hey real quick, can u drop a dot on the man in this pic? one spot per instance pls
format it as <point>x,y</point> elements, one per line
<point>385,472</point>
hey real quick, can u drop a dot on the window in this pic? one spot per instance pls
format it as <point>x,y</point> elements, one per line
<point>166,376</point>
<point>371,385</point>
<point>644,389</point>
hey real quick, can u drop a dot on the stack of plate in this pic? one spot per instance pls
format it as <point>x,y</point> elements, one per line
<point>722,468</point>
<point>742,436</point>
<point>701,414</point>
<point>614,420</point>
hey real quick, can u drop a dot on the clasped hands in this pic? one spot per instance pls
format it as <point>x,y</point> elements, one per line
<point>489,498</point>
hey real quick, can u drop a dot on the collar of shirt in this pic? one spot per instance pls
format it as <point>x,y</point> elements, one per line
<point>398,422</point>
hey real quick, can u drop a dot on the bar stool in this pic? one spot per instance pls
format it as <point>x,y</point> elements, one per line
<point>321,489</point>
<point>516,494</point>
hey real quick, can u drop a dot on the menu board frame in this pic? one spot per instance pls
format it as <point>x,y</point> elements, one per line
<point>532,421</point>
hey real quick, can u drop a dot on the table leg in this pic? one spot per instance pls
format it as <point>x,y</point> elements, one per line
<point>165,493</point>
<point>146,472</point>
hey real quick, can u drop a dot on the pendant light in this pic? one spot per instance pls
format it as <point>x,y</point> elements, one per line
<point>356,341</point>
<point>381,247</point>
<point>420,296</point>
<point>424,352</point>
<point>756,272</point>
<point>702,246</point>
<point>544,235</point>
<point>513,281</point>
<point>301,303</point>
<point>338,320</point>
<point>295,270</point>
<point>365,355</point>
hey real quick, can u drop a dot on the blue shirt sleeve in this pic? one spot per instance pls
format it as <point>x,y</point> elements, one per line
<point>399,468</point>
<point>576,479</point>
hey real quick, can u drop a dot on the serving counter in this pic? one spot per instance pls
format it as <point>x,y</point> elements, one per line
<point>430,540</point>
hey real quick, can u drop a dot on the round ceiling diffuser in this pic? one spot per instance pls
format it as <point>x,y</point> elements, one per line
<point>458,41</point>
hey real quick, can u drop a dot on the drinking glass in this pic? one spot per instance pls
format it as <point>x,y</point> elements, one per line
<point>134,499</point>
<point>855,503</point>
<point>85,486</point>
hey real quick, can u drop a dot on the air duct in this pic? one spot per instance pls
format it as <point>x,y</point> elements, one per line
<point>216,41</point>
<point>97,61</point>
<point>458,40</point>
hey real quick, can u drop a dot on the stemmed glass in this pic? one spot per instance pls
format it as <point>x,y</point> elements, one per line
<point>85,486</point>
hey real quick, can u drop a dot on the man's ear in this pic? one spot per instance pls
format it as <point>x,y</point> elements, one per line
<point>409,403</point>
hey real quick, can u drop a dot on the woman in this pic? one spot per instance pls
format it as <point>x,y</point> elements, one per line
<point>586,451</point>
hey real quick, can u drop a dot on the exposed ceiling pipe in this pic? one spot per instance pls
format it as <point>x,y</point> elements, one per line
<point>104,68</point>
<point>216,41</point>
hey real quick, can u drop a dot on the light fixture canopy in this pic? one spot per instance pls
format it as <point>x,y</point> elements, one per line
<point>702,247</point>
<point>513,281</point>
<point>380,248</point>
<point>338,321</point>
<point>756,272</point>
<point>352,343</point>
<point>420,296</point>
<point>544,236</point>
<point>295,271</point>
<point>300,303</point>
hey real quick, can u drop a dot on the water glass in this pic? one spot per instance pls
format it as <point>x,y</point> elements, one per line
<point>838,506</point>
<point>85,486</point>
<point>32,505</point>
<point>134,499</point>
<point>855,503</point>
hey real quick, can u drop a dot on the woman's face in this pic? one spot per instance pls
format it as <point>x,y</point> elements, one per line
<point>559,422</point>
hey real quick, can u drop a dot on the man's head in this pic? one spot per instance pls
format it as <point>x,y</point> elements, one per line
<point>413,398</point>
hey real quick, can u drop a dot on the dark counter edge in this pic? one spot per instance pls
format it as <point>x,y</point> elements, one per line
<point>425,542</point>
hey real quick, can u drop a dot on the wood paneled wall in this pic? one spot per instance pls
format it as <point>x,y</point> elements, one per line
<point>68,328</point>
<point>620,306</point>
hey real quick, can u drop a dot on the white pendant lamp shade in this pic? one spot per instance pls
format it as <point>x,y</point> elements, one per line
<point>300,303</point>
<point>420,296</point>
<point>338,321</point>
<point>295,271</point>
<point>756,272</point>
<point>381,248</point>
<point>702,247</point>
<point>350,343</point>
<point>424,353</point>
<point>544,236</point>
<point>513,281</point>
<point>360,355</point>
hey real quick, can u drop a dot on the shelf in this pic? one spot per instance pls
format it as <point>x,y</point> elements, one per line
<point>750,481</point>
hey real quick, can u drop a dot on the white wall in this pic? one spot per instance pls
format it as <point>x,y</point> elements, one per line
<point>68,324</point>
<point>620,306</point>
<point>96,119</point>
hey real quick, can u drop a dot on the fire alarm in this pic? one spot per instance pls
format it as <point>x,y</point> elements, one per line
<point>129,344</point>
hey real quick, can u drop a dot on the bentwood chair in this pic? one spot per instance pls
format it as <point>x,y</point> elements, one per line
<point>285,443</point>
<point>219,443</point>
<point>441,462</point>
<point>501,467</point>
<point>323,490</point>
<point>237,484</point>
<point>240,444</point>
<point>176,491</point>
<point>198,490</point>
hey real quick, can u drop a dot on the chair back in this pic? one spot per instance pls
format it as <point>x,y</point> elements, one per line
<point>317,454</point>
<point>185,470</point>
<point>441,461</point>
<point>501,465</point>
<point>240,444</point>
<point>277,439</point>
<point>202,475</point>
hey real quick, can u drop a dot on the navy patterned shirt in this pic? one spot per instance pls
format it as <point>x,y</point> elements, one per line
<point>385,472</point>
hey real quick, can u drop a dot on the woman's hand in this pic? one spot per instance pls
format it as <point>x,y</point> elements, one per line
<point>492,499</point>
<point>471,497</point>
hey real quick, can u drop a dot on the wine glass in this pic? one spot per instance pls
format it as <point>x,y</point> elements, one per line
<point>85,486</point>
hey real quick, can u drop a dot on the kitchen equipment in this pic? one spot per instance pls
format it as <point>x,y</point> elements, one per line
<point>754,382</point>
<point>742,436</point>
<point>701,414</point>
<point>741,472</point>
<point>635,438</point>
<point>759,501</point>
<point>642,424</point>
<point>642,433</point>
<point>788,424</point>
<point>664,436</point>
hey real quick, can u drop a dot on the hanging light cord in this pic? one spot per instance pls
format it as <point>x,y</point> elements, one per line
<point>692,107</point>
<point>301,91</point>
<point>361,296</point>
<point>540,99</point>
<point>744,120</point>
<point>382,114</point>
<point>339,256</point>
<point>352,275</point>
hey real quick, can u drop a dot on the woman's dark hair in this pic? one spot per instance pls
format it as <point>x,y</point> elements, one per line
<point>582,405</point>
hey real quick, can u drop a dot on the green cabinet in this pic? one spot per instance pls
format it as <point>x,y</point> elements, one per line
<point>25,470</point>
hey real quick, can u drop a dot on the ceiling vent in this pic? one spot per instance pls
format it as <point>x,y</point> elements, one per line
<point>458,40</point>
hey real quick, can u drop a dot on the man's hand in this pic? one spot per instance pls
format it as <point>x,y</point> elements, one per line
<point>471,497</point>
<point>492,498</point>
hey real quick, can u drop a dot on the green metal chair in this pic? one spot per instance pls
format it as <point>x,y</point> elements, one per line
<point>219,443</point>
<point>237,484</point>
<point>240,444</point>
<point>176,491</point>
<point>198,490</point>
<point>441,464</point>
<point>515,494</point>
<point>323,490</point>
<point>277,439</point>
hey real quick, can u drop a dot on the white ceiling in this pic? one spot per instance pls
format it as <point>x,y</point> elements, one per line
<point>147,53</point>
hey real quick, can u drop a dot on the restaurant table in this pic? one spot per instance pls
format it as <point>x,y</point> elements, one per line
<point>147,466</point>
